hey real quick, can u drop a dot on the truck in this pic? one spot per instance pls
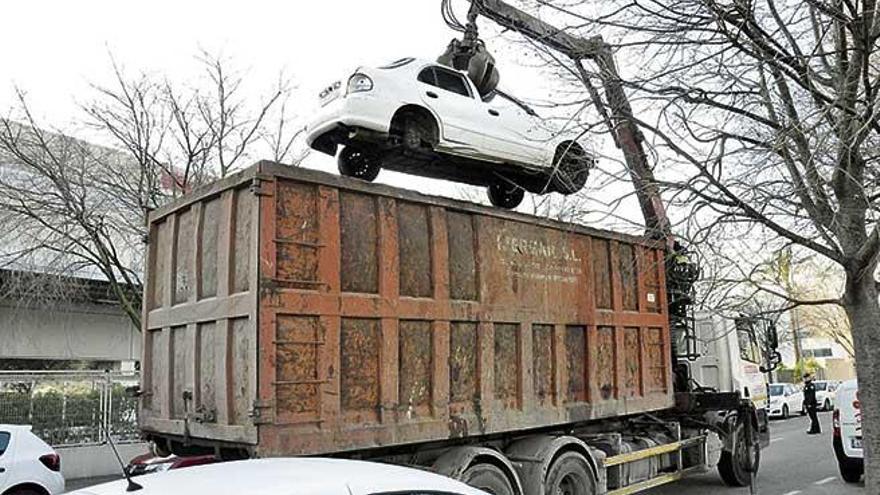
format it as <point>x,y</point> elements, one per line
<point>291,312</point>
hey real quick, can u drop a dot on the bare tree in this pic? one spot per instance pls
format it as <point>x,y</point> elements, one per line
<point>71,207</point>
<point>763,120</point>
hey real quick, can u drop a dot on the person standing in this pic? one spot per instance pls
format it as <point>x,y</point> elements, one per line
<point>811,404</point>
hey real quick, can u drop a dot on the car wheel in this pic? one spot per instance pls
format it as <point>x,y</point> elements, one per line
<point>358,163</point>
<point>506,195</point>
<point>851,472</point>
<point>827,405</point>
<point>736,467</point>
<point>571,168</point>
<point>785,411</point>
<point>488,478</point>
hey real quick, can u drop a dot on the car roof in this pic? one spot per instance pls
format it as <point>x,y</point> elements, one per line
<point>10,427</point>
<point>287,476</point>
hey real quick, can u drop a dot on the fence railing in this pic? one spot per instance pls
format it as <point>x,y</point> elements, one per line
<point>70,408</point>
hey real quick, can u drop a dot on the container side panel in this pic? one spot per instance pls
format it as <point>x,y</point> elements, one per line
<point>211,218</point>
<point>158,369</point>
<point>576,362</point>
<point>507,363</point>
<point>543,370</point>
<point>184,277</point>
<point>605,362</point>
<point>632,361</point>
<point>297,234</point>
<point>242,379</point>
<point>629,277</point>
<point>207,386</point>
<point>181,365</point>
<point>416,353</point>
<point>241,252</point>
<point>414,245</point>
<point>359,243</point>
<point>296,366</point>
<point>462,362</point>
<point>359,361</point>
<point>462,256</point>
<point>653,259</point>
<point>656,360</point>
<point>602,273</point>
<point>162,244</point>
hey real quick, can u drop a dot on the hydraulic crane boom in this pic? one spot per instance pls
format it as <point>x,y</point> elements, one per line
<point>626,134</point>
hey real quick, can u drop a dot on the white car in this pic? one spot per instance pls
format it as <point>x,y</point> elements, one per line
<point>847,439</point>
<point>825,393</point>
<point>290,476</point>
<point>785,399</point>
<point>28,466</point>
<point>424,118</point>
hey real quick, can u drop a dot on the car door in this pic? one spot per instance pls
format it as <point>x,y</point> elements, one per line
<point>448,94</point>
<point>513,130</point>
<point>5,459</point>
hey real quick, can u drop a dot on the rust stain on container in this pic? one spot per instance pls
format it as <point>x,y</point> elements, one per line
<point>462,362</point>
<point>415,377</point>
<point>507,363</point>
<point>315,314</point>
<point>576,363</point>
<point>359,361</point>
<point>543,369</point>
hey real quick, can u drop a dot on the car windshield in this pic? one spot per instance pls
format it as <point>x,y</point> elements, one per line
<point>777,389</point>
<point>821,385</point>
<point>397,63</point>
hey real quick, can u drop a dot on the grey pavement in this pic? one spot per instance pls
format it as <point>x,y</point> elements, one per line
<point>794,464</point>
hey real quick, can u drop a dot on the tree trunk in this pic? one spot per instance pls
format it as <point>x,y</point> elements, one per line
<point>860,301</point>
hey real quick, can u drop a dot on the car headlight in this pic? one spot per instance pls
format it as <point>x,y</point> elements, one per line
<point>359,83</point>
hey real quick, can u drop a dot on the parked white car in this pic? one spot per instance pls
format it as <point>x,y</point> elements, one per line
<point>825,393</point>
<point>420,117</point>
<point>28,466</point>
<point>785,399</point>
<point>283,476</point>
<point>847,438</point>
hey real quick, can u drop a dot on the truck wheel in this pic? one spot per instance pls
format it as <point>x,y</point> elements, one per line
<point>735,468</point>
<point>358,163</point>
<point>570,475</point>
<point>850,472</point>
<point>489,478</point>
<point>504,195</point>
<point>572,167</point>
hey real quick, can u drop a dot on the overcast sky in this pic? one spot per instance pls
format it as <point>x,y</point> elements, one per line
<point>54,49</point>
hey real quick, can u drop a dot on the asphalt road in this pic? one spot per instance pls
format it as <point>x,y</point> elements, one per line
<point>794,464</point>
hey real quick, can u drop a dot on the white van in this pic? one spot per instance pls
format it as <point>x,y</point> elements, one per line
<point>848,432</point>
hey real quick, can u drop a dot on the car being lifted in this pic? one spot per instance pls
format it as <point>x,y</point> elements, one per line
<point>421,117</point>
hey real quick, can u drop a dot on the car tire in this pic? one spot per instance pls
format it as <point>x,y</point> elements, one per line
<point>851,472</point>
<point>827,405</point>
<point>735,469</point>
<point>415,131</point>
<point>570,473</point>
<point>505,195</point>
<point>571,167</point>
<point>23,491</point>
<point>489,478</point>
<point>359,163</point>
<point>785,411</point>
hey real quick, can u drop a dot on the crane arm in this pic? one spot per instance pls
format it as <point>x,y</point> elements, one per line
<point>626,134</point>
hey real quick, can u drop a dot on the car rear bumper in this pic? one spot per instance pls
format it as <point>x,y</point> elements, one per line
<point>847,455</point>
<point>358,110</point>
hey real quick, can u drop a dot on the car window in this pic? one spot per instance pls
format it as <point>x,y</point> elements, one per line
<point>4,441</point>
<point>776,390</point>
<point>451,81</point>
<point>821,386</point>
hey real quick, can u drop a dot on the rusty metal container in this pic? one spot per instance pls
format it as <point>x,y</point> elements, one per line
<point>296,312</point>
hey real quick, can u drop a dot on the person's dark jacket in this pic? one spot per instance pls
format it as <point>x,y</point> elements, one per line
<point>810,394</point>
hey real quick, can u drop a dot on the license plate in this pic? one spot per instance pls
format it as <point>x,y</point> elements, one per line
<point>857,443</point>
